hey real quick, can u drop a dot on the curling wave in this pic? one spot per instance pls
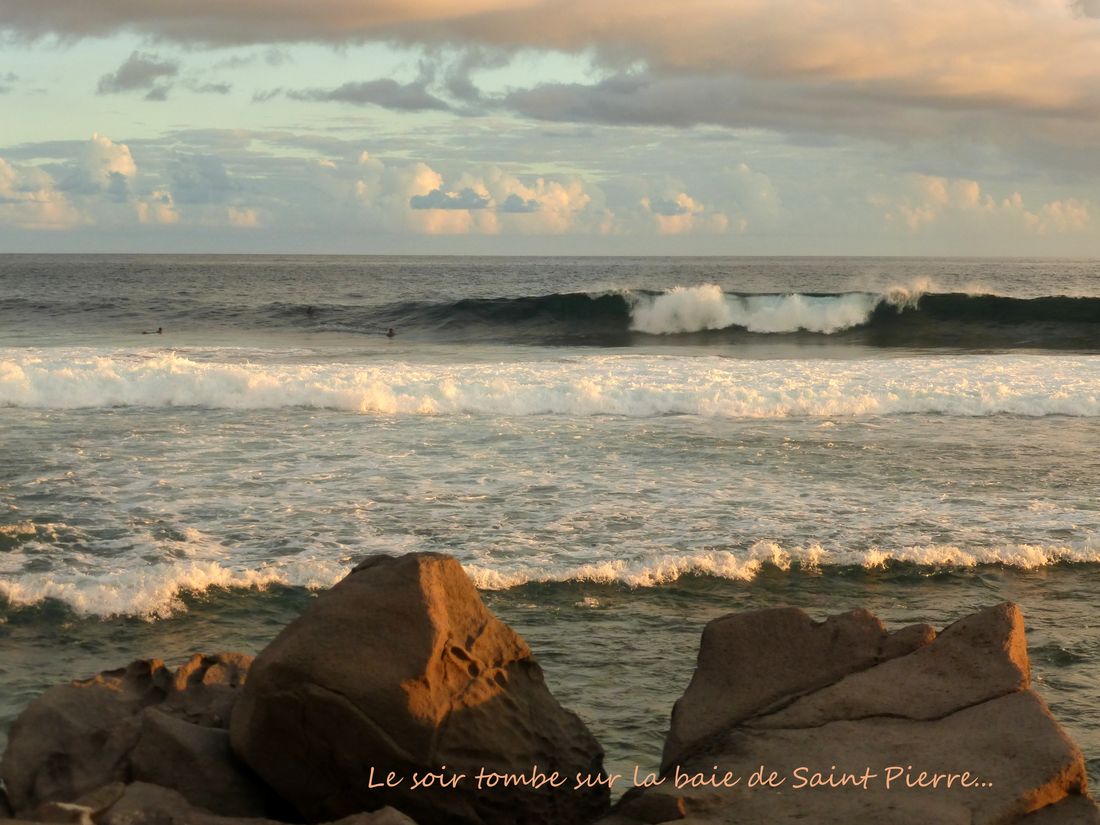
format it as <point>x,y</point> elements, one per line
<point>910,316</point>
<point>705,314</point>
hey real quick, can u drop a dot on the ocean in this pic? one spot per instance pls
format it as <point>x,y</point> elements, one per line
<point>618,450</point>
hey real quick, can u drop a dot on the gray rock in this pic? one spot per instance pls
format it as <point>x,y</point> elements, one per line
<point>198,762</point>
<point>749,661</point>
<point>146,804</point>
<point>976,659</point>
<point>76,738</point>
<point>954,704</point>
<point>400,667</point>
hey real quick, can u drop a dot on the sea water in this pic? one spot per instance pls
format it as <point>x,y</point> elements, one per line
<point>617,450</point>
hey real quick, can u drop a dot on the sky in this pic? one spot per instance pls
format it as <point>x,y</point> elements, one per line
<point>708,127</point>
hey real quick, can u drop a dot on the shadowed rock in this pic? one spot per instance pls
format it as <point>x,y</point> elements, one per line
<point>192,759</point>
<point>400,667</point>
<point>142,720</point>
<point>145,804</point>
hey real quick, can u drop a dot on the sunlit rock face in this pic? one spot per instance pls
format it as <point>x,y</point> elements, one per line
<point>401,668</point>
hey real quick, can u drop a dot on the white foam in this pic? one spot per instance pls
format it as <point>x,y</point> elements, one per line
<point>155,591</point>
<point>622,385</point>
<point>745,565</point>
<point>707,307</point>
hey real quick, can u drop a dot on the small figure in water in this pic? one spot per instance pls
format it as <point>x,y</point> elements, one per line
<point>160,331</point>
<point>390,333</point>
<point>309,312</point>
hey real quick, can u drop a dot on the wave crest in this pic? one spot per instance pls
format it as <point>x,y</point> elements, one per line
<point>707,307</point>
<point>157,591</point>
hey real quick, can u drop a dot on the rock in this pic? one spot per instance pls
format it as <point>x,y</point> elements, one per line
<point>198,762</point>
<point>64,812</point>
<point>778,654</point>
<point>103,798</point>
<point>1073,810</point>
<point>384,816</point>
<point>951,704</point>
<point>146,804</point>
<point>976,659</point>
<point>206,687</point>
<point>79,737</point>
<point>5,808</point>
<point>657,805</point>
<point>400,667</point>
<point>75,738</point>
<point>906,640</point>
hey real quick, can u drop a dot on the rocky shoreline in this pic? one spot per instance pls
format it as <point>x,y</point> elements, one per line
<point>398,698</point>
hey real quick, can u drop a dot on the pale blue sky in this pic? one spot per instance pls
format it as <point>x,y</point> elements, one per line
<point>551,127</point>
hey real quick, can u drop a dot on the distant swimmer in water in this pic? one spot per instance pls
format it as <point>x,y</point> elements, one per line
<point>390,333</point>
<point>310,311</point>
<point>159,331</point>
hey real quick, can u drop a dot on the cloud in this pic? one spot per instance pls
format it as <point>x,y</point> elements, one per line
<point>1032,54</point>
<point>384,92</point>
<point>400,196</point>
<point>6,82</point>
<point>201,179</point>
<point>1022,76</point>
<point>516,205</point>
<point>931,201</point>
<point>243,218</point>
<point>679,213</point>
<point>438,199</point>
<point>272,56</point>
<point>100,166</point>
<point>29,199</point>
<point>210,88</point>
<point>99,184</point>
<point>140,72</point>
<point>681,205</point>
<point>158,208</point>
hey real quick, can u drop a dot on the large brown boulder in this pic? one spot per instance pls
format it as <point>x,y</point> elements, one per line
<point>778,693</point>
<point>142,721</point>
<point>401,668</point>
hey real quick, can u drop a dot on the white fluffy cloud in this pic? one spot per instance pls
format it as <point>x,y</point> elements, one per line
<point>100,184</point>
<point>29,199</point>
<point>411,196</point>
<point>932,201</point>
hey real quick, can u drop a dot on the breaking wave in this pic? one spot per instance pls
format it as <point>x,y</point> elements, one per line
<point>619,385</point>
<point>157,591</point>
<point>702,314</point>
<point>705,314</point>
